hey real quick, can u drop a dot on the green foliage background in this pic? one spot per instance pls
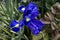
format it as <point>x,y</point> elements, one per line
<point>8,12</point>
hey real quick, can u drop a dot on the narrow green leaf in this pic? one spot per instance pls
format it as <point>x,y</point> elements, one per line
<point>8,8</point>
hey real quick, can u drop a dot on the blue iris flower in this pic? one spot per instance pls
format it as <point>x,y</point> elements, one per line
<point>29,14</point>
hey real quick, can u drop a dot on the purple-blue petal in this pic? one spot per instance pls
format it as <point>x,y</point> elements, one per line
<point>21,23</point>
<point>38,23</point>
<point>35,12</point>
<point>31,9</point>
<point>13,23</point>
<point>35,26</point>
<point>20,8</point>
<point>36,32</point>
<point>15,29</point>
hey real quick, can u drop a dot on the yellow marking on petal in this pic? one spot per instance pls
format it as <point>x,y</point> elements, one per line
<point>17,25</point>
<point>27,19</point>
<point>23,9</point>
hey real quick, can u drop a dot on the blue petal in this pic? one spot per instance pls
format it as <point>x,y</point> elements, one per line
<point>35,26</point>
<point>38,23</point>
<point>15,29</point>
<point>31,9</point>
<point>13,23</point>
<point>35,12</point>
<point>21,23</point>
<point>20,8</point>
<point>36,32</point>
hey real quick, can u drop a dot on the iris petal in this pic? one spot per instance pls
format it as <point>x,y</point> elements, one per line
<point>21,8</point>
<point>15,29</point>
<point>35,32</point>
<point>38,23</point>
<point>21,23</point>
<point>16,26</point>
<point>31,9</point>
<point>34,28</point>
<point>13,23</point>
<point>35,12</point>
